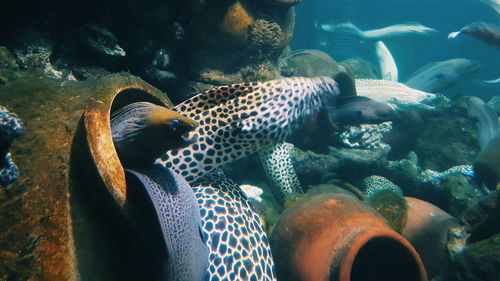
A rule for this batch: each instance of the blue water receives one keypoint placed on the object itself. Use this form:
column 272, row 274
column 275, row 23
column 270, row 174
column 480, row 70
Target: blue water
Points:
column 411, row 53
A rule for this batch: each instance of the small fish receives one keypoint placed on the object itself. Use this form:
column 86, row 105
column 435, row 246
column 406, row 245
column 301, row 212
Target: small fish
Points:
column 101, row 40
column 398, row 30
column 391, row 31
column 486, row 32
column 356, row 110
column 439, row 76
column 395, row 94
column 142, row 131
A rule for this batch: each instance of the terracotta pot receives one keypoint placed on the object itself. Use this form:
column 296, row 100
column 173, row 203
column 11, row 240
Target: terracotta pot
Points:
column 46, row 225
column 427, row 229
column 337, row 237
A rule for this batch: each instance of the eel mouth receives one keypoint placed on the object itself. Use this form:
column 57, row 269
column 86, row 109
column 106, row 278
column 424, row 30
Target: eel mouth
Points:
column 189, row 139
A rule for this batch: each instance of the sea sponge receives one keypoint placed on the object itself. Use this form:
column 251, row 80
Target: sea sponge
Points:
column 236, row 21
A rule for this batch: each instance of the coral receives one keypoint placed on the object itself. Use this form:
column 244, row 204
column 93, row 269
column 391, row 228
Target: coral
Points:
column 433, row 176
column 366, row 136
column 374, row 184
column 252, row 192
column 36, row 56
column 392, row 206
column 236, row 22
column 360, row 68
column 11, row 127
column 263, row 36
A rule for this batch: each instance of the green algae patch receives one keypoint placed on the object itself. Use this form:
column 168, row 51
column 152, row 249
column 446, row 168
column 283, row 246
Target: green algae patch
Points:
column 392, row 207
column 479, row 261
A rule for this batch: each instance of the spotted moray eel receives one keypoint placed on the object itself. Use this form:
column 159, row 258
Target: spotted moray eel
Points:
column 236, row 121
column 277, row 163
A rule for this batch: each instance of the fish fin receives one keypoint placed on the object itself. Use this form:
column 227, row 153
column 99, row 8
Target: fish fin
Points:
column 453, row 34
column 346, row 84
column 493, row 81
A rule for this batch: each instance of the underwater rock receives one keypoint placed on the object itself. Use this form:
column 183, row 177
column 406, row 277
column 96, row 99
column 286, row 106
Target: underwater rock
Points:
column 453, row 129
column 427, row 228
column 308, row 63
column 336, row 237
column 310, row 166
column 360, row 68
column 9, row 69
column 482, row 217
column 478, row 261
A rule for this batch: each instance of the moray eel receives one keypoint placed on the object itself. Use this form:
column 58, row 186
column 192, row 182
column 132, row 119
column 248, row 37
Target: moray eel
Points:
column 236, row 121
column 141, row 132
column 11, row 127
column 277, row 163
column 397, row 95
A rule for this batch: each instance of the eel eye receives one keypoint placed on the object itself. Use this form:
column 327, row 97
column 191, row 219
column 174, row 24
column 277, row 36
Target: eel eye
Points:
column 175, row 124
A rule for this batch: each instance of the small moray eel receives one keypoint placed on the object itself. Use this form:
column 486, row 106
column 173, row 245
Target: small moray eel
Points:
column 141, row 132
column 236, row 121
column 11, row 127
column 277, row 163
